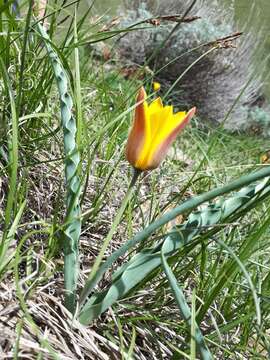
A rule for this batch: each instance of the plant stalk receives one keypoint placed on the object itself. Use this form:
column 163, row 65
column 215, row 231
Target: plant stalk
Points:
column 115, row 224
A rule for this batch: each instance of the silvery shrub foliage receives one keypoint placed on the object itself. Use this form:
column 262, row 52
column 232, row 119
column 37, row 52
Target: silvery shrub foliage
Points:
column 216, row 81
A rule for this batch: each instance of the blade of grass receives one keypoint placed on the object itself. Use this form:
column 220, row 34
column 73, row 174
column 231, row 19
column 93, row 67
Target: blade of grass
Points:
column 13, row 154
column 77, row 85
column 247, row 276
column 185, row 311
column 132, row 344
column 116, row 222
column 23, row 304
column 23, row 55
column 4, row 259
column 193, row 327
column 227, row 271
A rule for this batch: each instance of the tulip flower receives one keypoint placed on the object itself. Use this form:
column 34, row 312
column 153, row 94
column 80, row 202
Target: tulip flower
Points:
column 154, row 129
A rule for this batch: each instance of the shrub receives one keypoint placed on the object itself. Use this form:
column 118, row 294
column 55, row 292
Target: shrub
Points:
column 216, row 81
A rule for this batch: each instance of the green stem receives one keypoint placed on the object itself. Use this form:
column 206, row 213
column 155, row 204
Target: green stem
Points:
column 108, row 238
column 13, row 149
column 23, row 55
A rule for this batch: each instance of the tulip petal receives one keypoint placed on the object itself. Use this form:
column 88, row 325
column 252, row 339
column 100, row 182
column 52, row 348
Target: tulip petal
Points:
column 140, row 128
column 156, row 119
column 159, row 151
column 156, row 105
column 154, row 108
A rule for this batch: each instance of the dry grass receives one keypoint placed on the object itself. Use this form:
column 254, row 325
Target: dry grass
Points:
column 34, row 322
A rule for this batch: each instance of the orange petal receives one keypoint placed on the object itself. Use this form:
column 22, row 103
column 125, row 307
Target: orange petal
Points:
column 137, row 133
column 161, row 152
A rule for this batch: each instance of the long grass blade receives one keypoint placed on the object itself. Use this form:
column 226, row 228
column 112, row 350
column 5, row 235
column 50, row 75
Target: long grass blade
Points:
column 13, row 145
column 184, row 309
column 23, row 57
column 229, row 270
column 193, row 327
column 4, row 259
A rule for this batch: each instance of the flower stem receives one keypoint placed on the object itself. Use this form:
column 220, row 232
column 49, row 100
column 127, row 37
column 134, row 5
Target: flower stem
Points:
column 108, row 238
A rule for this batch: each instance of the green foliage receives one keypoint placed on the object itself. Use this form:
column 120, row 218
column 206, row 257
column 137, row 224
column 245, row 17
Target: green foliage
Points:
column 139, row 267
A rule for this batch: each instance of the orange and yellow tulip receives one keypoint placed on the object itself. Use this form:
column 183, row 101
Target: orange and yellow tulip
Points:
column 154, row 129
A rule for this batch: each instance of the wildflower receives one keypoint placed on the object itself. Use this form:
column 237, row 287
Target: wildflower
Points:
column 154, row 129
column 156, row 86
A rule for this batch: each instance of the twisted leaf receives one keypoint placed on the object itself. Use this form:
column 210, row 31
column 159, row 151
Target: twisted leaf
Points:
column 72, row 227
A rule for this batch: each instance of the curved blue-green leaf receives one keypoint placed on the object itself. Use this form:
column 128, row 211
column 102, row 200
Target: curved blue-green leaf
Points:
column 72, row 226
column 142, row 264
